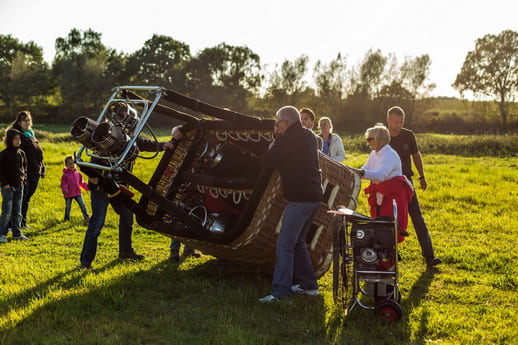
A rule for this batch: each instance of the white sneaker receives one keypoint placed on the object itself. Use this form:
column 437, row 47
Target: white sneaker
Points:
column 269, row 299
column 3, row 239
column 22, row 237
column 297, row 289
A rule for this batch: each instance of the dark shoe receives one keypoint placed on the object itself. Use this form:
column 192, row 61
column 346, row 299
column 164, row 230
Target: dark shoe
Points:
column 86, row 267
column 432, row 262
column 174, row 256
column 131, row 256
column 190, row 253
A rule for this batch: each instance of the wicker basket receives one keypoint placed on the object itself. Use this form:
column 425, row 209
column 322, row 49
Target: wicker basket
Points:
column 255, row 246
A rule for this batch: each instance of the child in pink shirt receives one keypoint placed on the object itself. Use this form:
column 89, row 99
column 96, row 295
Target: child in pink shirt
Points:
column 71, row 184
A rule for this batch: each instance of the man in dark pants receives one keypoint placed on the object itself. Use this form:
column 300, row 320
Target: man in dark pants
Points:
column 404, row 142
column 100, row 200
column 294, row 154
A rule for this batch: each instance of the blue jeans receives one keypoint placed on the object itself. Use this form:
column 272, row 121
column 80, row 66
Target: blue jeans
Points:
column 11, row 210
column 68, row 206
column 293, row 262
column 100, row 203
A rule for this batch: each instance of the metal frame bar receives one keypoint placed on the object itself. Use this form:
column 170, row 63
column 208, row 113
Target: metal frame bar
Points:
column 115, row 162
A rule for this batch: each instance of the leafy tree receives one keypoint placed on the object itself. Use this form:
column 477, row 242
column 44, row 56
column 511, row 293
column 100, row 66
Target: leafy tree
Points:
column 159, row 62
column 24, row 76
column 491, row 69
column 287, row 82
column 225, row 75
column 371, row 72
column 85, row 70
column 330, row 80
column 414, row 74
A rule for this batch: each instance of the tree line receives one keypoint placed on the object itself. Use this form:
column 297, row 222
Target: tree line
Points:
column 83, row 71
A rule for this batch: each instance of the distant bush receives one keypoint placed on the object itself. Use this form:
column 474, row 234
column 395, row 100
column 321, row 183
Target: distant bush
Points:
column 464, row 145
column 470, row 145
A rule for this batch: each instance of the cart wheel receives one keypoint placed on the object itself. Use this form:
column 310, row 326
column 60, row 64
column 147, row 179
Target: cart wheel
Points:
column 337, row 258
column 343, row 281
column 388, row 311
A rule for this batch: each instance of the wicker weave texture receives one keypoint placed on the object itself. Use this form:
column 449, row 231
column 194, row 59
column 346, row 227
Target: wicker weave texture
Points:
column 256, row 245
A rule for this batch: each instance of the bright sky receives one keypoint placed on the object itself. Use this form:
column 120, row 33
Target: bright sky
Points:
column 277, row 29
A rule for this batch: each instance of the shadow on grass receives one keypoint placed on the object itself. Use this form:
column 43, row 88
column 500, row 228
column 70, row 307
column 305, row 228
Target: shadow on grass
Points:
column 417, row 293
column 49, row 226
column 361, row 326
column 210, row 303
column 61, row 280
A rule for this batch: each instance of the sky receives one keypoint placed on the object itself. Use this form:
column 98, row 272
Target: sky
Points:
column 277, row 30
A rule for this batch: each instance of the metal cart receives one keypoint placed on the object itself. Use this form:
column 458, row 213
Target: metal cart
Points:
column 365, row 263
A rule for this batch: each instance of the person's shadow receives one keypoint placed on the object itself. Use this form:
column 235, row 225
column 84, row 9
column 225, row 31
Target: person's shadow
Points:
column 414, row 299
column 167, row 303
column 350, row 327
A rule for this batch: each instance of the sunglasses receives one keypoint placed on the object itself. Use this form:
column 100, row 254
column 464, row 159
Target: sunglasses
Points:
column 370, row 139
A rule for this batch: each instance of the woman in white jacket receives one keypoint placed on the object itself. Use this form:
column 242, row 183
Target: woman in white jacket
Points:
column 333, row 145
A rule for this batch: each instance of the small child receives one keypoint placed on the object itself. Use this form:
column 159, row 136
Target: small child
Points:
column 71, row 184
column 13, row 175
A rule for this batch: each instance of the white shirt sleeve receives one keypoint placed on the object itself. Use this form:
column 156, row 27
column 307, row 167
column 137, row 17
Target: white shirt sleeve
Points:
column 382, row 165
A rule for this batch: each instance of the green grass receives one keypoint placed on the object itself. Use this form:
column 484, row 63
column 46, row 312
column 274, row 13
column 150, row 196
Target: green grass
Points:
column 470, row 208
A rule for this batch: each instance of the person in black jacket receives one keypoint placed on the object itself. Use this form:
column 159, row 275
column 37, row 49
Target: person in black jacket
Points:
column 294, row 154
column 13, row 167
column 34, row 154
column 100, row 201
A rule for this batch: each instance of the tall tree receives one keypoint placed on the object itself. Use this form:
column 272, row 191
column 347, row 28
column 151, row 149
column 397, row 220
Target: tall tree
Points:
column 414, row 74
column 84, row 70
column 371, row 72
column 159, row 62
column 330, row 82
column 491, row 69
column 225, row 75
column 287, row 81
column 24, row 76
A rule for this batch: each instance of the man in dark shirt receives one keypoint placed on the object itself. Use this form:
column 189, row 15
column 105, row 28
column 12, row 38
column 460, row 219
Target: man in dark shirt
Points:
column 403, row 141
column 294, row 154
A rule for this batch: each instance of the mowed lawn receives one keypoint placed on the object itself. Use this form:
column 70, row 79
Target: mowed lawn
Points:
column 470, row 207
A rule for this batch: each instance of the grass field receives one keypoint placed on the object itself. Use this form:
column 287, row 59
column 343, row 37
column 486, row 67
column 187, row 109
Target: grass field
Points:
column 472, row 298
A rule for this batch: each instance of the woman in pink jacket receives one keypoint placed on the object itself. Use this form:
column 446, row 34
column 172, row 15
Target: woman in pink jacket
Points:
column 71, row 184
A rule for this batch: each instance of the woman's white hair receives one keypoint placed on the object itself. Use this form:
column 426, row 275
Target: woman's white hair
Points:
column 380, row 133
